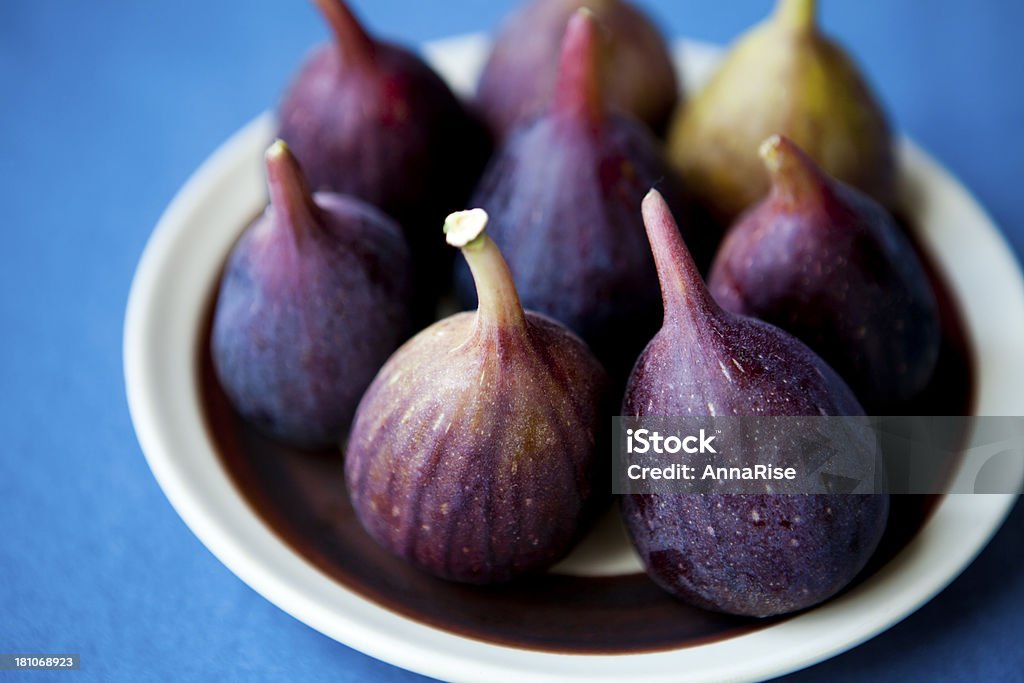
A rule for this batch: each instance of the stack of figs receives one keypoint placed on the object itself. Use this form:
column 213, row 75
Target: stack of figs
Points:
column 624, row 250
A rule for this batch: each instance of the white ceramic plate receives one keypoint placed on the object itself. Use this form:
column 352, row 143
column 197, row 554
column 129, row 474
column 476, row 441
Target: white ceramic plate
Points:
column 164, row 321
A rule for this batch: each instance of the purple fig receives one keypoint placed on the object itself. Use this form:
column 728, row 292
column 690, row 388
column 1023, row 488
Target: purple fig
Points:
column 565, row 192
column 758, row 554
column 828, row 264
column 372, row 120
column 519, row 78
column 313, row 299
column 784, row 76
column 474, row 452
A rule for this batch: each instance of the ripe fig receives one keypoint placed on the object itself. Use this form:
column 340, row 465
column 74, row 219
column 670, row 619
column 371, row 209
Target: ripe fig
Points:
column 757, row 554
column 314, row 297
column 828, row 264
column 372, row 120
column 565, row 192
column 474, row 452
column 519, row 77
column 786, row 77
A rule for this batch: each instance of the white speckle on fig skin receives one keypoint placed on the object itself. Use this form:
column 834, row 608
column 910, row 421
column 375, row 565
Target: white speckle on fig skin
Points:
column 755, row 555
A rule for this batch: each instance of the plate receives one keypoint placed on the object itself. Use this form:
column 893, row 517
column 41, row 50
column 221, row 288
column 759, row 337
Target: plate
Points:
column 166, row 319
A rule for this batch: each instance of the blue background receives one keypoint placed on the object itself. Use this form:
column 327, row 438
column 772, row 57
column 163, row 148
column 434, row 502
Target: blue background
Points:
column 106, row 108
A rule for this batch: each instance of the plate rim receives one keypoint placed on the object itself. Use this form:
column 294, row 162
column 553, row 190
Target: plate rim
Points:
column 289, row 581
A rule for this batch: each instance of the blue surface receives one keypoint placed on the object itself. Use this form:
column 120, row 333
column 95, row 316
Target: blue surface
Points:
column 106, row 108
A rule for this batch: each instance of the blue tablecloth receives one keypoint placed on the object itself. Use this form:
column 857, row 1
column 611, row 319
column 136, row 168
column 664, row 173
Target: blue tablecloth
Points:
column 107, row 106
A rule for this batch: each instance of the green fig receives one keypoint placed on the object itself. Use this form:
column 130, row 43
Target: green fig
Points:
column 783, row 77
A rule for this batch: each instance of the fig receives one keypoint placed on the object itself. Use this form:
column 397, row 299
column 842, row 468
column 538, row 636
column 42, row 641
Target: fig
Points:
column 314, row 297
column 372, row 120
column 828, row 264
column 519, row 77
column 564, row 191
column 474, row 453
column 785, row 77
column 752, row 554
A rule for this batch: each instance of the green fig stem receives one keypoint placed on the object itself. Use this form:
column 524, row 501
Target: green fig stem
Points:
column 799, row 15
column 578, row 88
column 289, row 192
column 683, row 291
column 495, row 289
column 351, row 40
column 796, row 179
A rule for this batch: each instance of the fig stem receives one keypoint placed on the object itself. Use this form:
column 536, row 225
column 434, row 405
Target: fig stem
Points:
column 351, row 40
column 578, row 89
column 495, row 289
column 288, row 189
column 682, row 289
column 800, row 15
column 795, row 177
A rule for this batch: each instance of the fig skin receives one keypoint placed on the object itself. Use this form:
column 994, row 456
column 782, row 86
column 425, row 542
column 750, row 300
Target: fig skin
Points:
column 370, row 119
column 755, row 555
column 519, row 77
column 565, row 191
column 475, row 452
column 785, row 77
column 829, row 265
column 314, row 297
